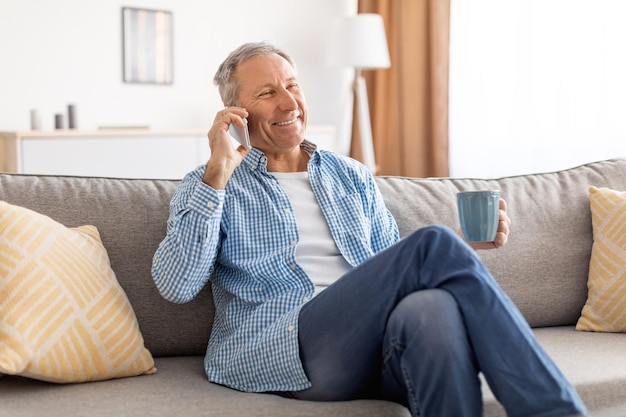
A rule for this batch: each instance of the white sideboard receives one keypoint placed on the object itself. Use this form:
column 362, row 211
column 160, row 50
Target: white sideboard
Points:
column 122, row 153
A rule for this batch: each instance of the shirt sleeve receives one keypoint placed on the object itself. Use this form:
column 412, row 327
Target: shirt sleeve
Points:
column 383, row 225
column 184, row 260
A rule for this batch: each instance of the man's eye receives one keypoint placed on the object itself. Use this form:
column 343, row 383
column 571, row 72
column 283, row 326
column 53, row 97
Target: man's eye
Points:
column 293, row 86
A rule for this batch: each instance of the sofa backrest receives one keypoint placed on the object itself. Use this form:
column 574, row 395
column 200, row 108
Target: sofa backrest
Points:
column 543, row 268
column 131, row 216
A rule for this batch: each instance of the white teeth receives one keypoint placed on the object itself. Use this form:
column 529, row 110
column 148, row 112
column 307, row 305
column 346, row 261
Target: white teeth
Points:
column 288, row 122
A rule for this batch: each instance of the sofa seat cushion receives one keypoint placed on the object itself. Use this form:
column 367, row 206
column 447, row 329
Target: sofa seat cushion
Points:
column 179, row 388
column 593, row 362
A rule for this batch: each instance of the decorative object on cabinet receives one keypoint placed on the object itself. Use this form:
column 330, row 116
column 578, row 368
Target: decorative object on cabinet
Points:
column 71, row 116
column 35, row 120
column 58, row 121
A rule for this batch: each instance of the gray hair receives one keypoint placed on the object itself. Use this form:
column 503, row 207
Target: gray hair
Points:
column 225, row 78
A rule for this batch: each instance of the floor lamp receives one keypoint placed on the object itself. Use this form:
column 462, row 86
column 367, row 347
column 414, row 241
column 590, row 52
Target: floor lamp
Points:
column 359, row 42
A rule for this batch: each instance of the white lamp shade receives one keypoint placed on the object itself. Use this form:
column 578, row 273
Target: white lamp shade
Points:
column 359, row 41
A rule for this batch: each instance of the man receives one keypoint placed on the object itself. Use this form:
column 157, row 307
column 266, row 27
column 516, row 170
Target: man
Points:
column 316, row 297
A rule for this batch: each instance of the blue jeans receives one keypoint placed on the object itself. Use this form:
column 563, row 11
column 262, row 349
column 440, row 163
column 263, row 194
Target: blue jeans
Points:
column 415, row 324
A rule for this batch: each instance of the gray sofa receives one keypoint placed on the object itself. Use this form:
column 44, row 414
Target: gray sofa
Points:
column 543, row 268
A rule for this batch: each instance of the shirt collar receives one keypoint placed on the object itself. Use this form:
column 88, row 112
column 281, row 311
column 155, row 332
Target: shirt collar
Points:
column 257, row 159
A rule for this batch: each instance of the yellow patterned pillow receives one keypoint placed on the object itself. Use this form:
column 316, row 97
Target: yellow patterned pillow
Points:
column 63, row 315
column 605, row 309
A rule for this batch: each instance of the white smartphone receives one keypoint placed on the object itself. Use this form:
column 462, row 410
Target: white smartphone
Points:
column 240, row 135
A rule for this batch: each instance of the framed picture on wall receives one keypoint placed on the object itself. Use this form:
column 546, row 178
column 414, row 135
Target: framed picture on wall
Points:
column 147, row 46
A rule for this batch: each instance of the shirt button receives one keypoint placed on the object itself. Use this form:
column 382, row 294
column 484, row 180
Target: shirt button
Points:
column 291, row 328
column 305, row 299
column 294, row 242
column 293, row 266
column 210, row 204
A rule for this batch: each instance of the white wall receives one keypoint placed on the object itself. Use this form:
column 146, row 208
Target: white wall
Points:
column 70, row 51
column 536, row 85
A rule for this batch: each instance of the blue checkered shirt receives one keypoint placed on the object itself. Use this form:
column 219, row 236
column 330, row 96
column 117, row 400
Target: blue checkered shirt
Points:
column 244, row 239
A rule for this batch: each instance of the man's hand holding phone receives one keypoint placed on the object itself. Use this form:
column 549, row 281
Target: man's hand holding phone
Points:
column 224, row 157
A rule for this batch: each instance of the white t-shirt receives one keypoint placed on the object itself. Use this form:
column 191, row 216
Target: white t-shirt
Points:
column 316, row 251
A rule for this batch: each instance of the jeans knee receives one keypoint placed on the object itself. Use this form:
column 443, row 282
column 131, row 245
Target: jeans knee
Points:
column 427, row 306
column 431, row 317
column 438, row 228
column 436, row 233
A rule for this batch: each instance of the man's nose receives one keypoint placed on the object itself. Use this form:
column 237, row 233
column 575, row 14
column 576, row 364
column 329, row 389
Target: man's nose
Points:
column 288, row 101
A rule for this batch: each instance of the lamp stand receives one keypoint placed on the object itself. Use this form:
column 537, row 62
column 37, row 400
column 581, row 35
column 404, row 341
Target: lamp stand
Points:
column 366, row 142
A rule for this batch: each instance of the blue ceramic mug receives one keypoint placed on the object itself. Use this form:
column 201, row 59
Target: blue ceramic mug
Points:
column 479, row 214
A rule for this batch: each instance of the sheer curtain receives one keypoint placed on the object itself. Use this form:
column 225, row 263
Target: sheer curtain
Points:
column 409, row 101
column 536, row 85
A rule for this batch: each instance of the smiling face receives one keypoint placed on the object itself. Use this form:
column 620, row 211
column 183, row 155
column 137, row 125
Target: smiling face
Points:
column 270, row 92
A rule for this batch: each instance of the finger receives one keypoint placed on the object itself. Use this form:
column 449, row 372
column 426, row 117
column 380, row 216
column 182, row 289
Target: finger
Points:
column 235, row 115
column 230, row 115
column 243, row 150
column 496, row 244
column 503, row 227
column 222, row 122
column 500, row 240
column 504, row 218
